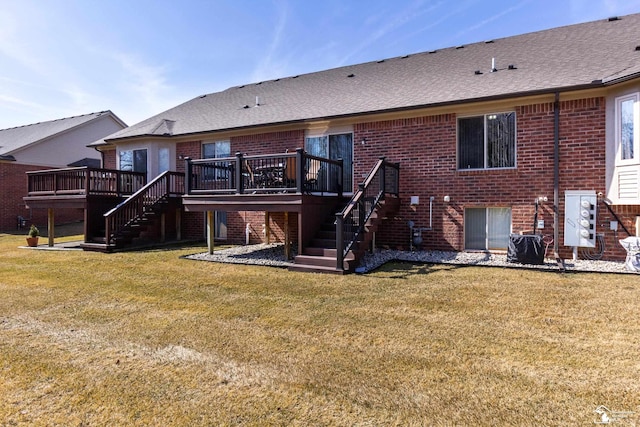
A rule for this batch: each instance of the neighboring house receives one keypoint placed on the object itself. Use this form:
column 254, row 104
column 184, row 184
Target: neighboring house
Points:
column 532, row 132
column 53, row 144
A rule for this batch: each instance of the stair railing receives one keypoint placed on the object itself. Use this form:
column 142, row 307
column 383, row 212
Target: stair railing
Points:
column 350, row 222
column 160, row 188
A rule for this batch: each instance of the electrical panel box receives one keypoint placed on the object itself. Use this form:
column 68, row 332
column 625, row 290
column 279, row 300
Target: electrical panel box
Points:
column 580, row 218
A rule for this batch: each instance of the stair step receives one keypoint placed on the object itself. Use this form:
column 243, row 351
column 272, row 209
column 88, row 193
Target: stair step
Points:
column 96, row 247
column 325, row 261
column 318, row 251
column 316, row 269
column 326, row 235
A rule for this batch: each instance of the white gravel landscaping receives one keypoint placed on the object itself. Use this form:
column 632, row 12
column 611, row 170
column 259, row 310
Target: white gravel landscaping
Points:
column 273, row 255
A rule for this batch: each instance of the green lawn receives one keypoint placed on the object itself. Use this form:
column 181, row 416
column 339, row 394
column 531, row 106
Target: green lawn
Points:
column 150, row 338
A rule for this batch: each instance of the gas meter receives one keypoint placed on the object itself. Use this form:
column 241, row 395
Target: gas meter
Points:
column 580, row 218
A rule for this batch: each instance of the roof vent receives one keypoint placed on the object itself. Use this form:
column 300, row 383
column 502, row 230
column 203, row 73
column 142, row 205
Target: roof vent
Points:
column 637, row 48
column 404, row 57
column 276, row 80
column 512, row 67
column 245, row 106
column 203, row 96
column 432, row 51
column 258, row 84
column 489, row 41
column 614, row 18
column 295, row 77
column 478, row 72
column 351, row 75
column 460, row 47
column 381, row 61
column 240, row 87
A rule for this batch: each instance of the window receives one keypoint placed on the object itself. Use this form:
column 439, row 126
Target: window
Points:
column 627, row 128
column 164, row 159
column 487, row 228
column 487, row 142
column 133, row 160
column 215, row 150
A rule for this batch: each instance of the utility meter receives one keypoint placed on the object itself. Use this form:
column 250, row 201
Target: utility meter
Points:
column 580, row 218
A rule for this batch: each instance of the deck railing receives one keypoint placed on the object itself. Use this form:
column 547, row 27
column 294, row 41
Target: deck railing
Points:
column 84, row 181
column 350, row 223
column 160, row 188
column 297, row 172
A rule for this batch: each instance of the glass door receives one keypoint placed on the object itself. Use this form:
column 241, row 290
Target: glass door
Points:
column 337, row 146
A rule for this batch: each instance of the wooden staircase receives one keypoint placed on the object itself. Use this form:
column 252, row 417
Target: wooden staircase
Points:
column 139, row 220
column 321, row 255
column 343, row 239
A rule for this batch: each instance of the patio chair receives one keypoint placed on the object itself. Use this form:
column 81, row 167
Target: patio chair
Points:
column 248, row 173
column 290, row 172
column 311, row 177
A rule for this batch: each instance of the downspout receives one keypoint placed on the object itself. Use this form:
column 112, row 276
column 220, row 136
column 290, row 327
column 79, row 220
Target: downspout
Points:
column 556, row 182
column 101, row 157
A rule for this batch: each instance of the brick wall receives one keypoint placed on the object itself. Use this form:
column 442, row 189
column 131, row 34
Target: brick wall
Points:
column 13, row 181
column 425, row 147
column 110, row 160
column 274, row 142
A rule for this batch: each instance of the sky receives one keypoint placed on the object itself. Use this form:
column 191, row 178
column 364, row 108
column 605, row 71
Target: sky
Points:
column 138, row 58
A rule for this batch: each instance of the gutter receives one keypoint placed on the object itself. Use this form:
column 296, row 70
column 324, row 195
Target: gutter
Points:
column 556, row 182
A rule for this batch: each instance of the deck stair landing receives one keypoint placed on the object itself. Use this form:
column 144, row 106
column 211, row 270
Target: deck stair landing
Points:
column 343, row 239
column 139, row 220
column 321, row 255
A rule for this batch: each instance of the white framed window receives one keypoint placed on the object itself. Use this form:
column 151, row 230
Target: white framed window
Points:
column 487, row 141
column 627, row 129
column 487, row 228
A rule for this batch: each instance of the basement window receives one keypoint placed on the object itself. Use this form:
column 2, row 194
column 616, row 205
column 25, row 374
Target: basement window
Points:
column 487, row 141
column 487, row 228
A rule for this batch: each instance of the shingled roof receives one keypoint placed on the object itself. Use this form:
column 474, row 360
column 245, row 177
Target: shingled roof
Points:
column 13, row 139
column 585, row 55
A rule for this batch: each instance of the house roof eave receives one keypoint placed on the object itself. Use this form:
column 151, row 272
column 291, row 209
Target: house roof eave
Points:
column 547, row 91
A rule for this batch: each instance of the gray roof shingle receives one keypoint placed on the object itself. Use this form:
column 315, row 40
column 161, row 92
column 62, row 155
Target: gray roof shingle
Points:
column 15, row 138
column 589, row 54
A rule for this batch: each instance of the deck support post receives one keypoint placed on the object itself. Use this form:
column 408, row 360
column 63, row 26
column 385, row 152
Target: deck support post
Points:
column 267, row 228
column 339, row 242
column 179, row 224
column 163, row 227
column 287, row 238
column 211, row 223
column 50, row 226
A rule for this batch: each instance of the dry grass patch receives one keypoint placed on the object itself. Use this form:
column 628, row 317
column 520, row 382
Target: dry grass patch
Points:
column 152, row 339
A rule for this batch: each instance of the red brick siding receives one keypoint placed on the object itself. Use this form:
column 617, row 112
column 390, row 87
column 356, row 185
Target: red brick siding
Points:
column 109, row 159
column 13, row 181
column 275, row 142
column 425, row 147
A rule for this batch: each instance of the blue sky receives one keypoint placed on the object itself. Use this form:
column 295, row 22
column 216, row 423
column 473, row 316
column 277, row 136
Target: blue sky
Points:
column 60, row 58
